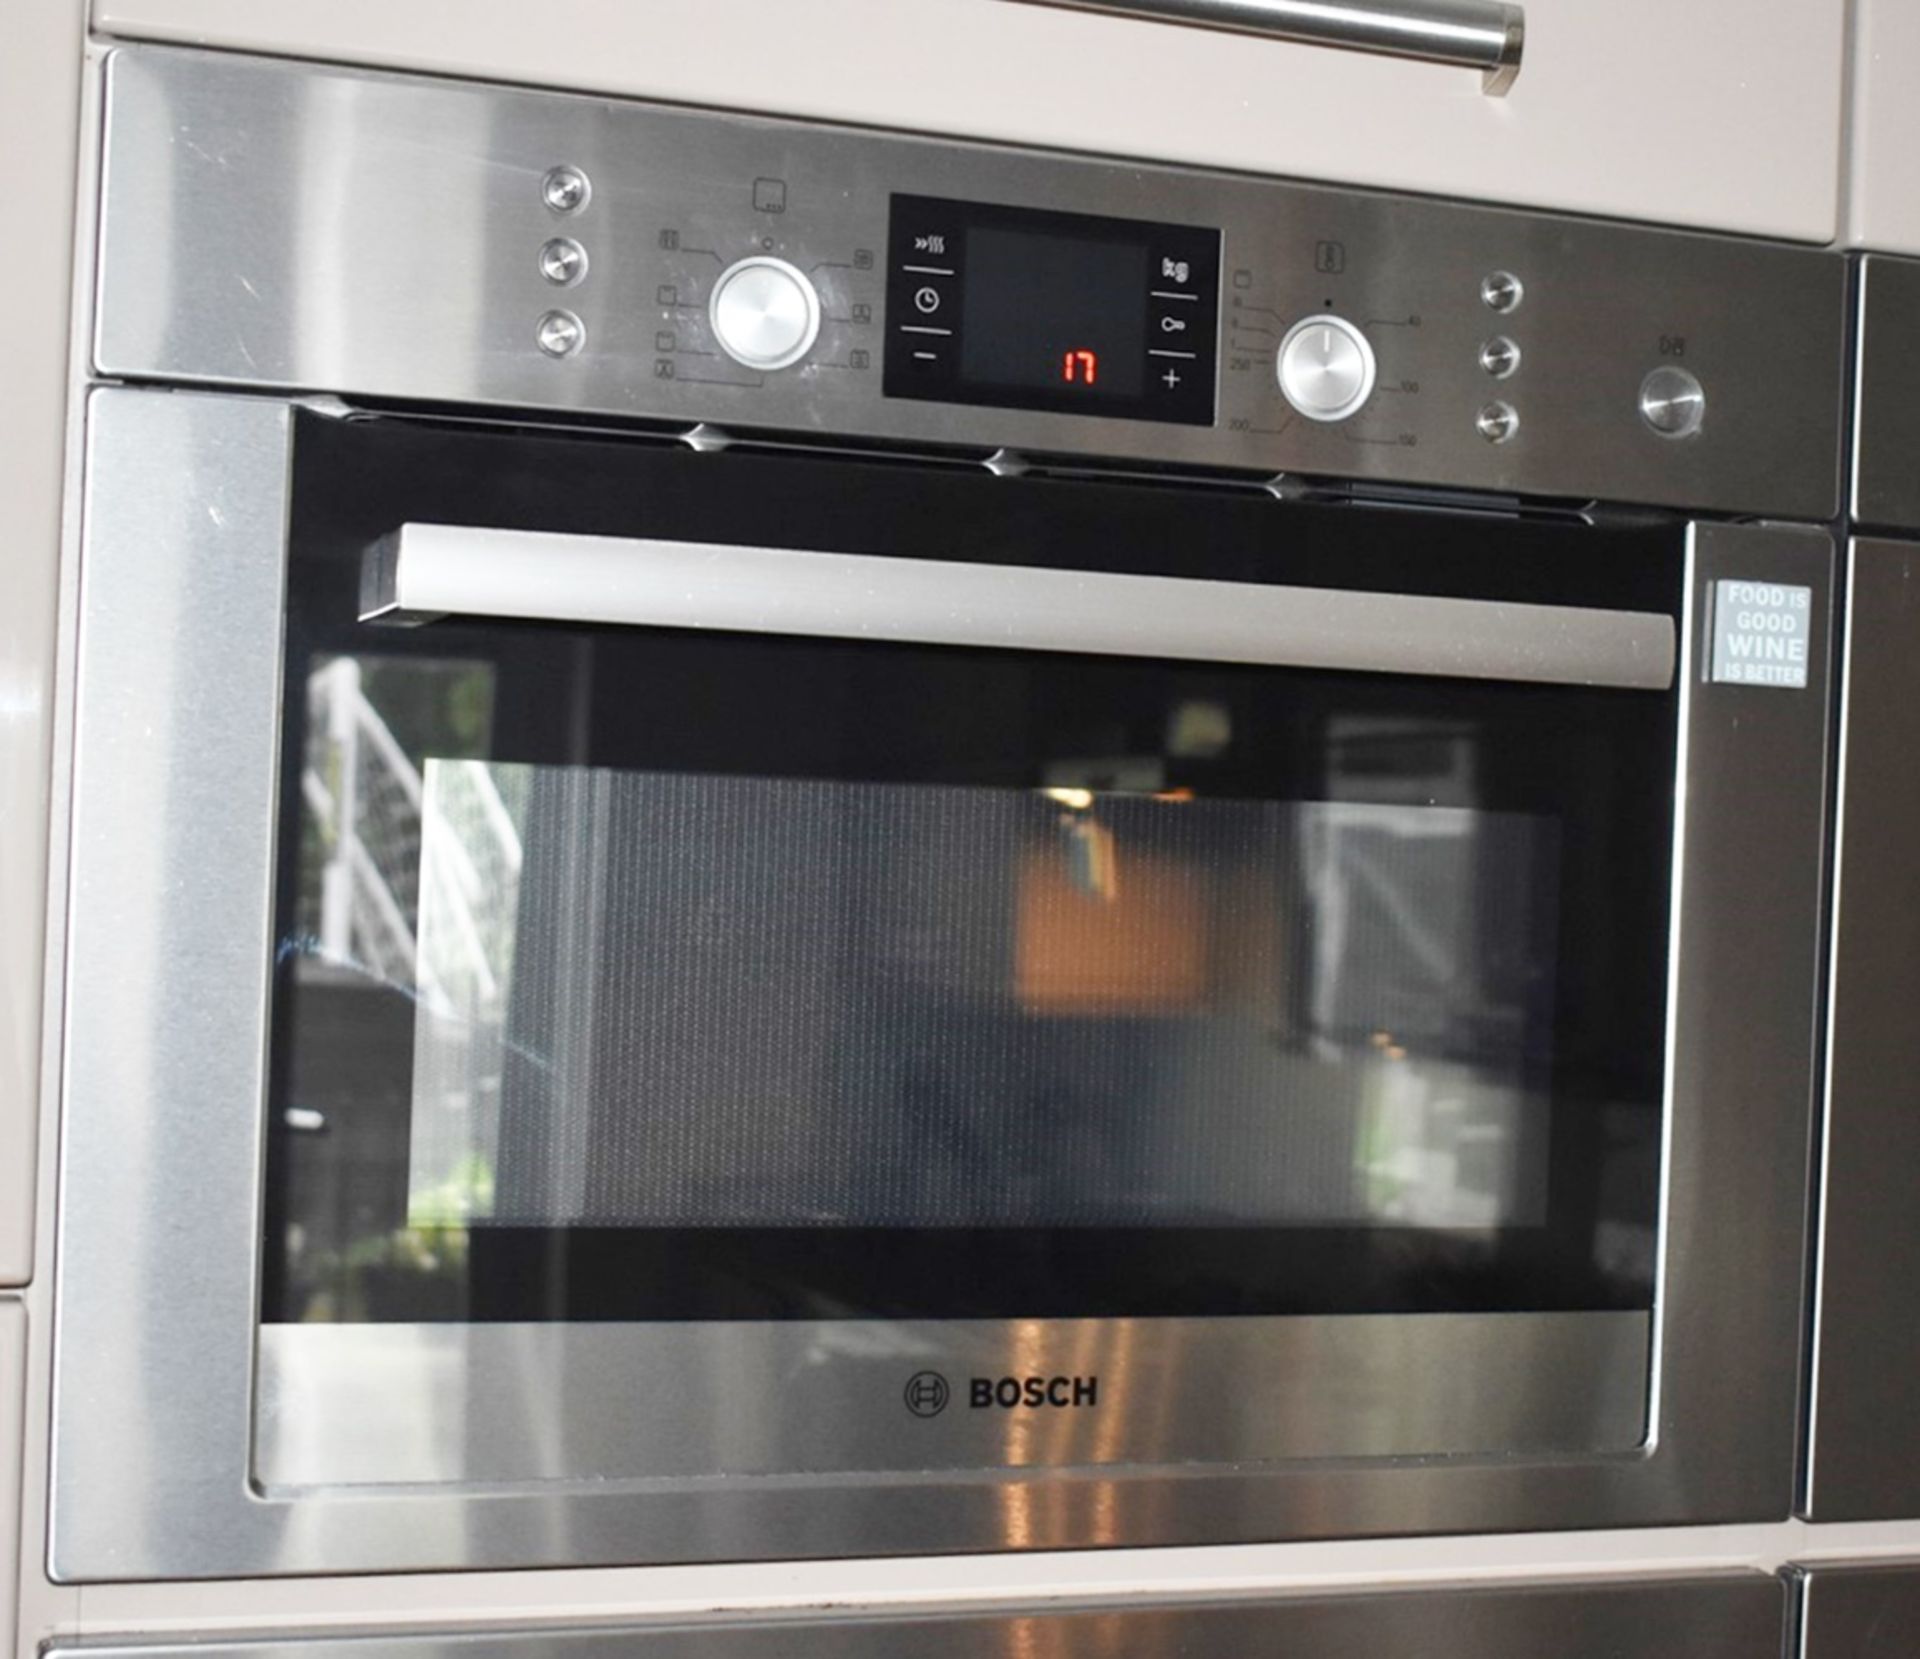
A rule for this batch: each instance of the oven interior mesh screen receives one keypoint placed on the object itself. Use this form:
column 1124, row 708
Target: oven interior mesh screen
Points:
column 676, row 1000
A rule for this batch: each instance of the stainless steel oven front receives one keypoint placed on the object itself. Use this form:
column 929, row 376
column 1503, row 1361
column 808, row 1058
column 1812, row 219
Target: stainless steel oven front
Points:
column 796, row 842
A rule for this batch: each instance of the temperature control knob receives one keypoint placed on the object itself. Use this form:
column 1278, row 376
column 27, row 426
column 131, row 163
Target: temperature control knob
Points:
column 765, row 313
column 1326, row 368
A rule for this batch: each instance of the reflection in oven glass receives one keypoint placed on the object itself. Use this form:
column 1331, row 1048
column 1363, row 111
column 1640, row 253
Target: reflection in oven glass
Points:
column 358, row 968
column 558, row 996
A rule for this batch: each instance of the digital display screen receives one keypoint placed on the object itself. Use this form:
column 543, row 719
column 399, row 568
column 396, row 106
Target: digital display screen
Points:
column 1054, row 312
column 1030, row 309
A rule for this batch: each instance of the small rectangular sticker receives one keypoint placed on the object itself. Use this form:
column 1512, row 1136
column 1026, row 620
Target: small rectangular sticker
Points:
column 1762, row 633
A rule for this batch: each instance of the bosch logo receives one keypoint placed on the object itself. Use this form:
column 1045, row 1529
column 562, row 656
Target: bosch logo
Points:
column 1033, row 1393
column 927, row 1394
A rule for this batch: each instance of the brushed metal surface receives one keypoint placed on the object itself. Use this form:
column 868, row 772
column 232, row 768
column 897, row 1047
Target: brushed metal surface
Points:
column 1886, row 477
column 1865, row 1612
column 429, row 570
column 1732, row 1616
column 587, row 1403
column 273, row 225
column 1472, row 34
column 1863, row 1463
column 166, row 973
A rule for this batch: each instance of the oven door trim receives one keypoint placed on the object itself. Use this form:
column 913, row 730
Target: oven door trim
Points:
column 163, row 1062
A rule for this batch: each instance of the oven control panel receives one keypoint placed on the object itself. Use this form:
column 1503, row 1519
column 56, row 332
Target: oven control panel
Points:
column 290, row 226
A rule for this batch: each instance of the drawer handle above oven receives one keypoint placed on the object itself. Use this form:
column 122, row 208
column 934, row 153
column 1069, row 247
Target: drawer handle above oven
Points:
column 426, row 571
column 1474, row 34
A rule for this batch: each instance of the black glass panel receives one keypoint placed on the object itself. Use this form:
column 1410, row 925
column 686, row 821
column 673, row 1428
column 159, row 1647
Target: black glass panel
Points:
column 1026, row 309
column 634, row 974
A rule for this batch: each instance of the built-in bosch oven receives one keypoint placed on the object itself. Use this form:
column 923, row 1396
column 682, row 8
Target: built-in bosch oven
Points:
column 792, row 842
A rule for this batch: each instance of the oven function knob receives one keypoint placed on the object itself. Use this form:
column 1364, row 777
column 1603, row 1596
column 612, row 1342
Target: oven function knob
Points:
column 1326, row 368
column 1673, row 402
column 765, row 313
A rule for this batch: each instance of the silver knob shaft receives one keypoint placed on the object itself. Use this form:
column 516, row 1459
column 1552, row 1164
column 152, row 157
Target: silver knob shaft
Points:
column 1673, row 402
column 765, row 313
column 1325, row 367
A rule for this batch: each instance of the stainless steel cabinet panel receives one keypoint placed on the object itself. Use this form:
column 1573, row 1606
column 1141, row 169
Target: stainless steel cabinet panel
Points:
column 1741, row 1617
column 1861, row 1613
column 1886, row 457
column 1864, row 1464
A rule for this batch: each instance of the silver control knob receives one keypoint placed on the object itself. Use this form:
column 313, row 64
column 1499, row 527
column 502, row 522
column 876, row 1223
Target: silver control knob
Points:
column 765, row 313
column 559, row 333
column 1326, row 368
column 1498, row 422
column 1673, row 402
column 565, row 189
column 1502, row 291
column 1500, row 357
column 563, row 262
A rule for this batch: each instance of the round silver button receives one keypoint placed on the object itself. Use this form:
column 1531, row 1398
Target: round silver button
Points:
column 563, row 262
column 565, row 189
column 1326, row 368
column 560, row 333
column 1673, row 402
column 765, row 313
column 1502, row 291
column 1497, row 422
column 1500, row 356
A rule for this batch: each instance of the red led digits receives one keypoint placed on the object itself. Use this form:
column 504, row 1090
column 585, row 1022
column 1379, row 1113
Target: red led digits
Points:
column 1079, row 368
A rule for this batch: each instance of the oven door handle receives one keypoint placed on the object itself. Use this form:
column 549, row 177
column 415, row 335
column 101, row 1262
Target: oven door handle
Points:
column 423, row 572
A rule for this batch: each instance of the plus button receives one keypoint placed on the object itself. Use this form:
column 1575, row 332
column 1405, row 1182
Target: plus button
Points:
column 1170, row 379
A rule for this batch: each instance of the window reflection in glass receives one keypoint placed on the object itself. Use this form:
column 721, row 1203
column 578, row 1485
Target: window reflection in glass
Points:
column 556, row 996
column 774, row 1002
column 368, row 909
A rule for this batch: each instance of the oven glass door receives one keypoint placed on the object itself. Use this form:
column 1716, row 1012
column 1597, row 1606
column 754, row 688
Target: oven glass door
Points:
column 657, row 985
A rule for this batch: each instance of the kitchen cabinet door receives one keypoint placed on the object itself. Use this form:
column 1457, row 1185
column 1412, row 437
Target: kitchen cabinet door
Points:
column 1883, row 200
column 13, row 1375
column 1716, row 113
column 39, row 138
